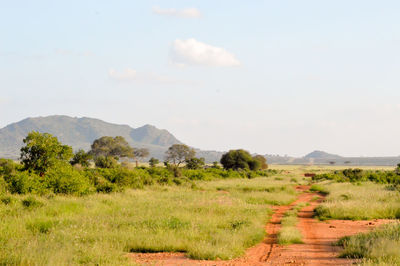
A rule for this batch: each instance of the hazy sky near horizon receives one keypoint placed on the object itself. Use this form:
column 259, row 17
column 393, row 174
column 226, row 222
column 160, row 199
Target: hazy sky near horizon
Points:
column 275, row 77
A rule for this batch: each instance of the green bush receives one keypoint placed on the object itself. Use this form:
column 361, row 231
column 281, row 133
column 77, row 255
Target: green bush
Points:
column 359, row 175
column 23, row 182
column 65, row 179
column 105, row 162
column 8, row 167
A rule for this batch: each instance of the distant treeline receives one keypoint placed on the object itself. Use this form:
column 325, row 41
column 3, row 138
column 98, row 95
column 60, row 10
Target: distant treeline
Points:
column 359, row 175
column 47, row 166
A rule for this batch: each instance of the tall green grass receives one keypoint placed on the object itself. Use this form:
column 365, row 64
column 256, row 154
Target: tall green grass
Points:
column 362, row 201
column 379, row 247
column 99, row 229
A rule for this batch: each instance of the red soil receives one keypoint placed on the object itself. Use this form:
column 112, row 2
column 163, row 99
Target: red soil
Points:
column 317, row 249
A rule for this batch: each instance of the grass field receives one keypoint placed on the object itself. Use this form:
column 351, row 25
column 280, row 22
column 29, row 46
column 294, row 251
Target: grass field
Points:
column 218, row 219
column 361, row 201
column 379, row 247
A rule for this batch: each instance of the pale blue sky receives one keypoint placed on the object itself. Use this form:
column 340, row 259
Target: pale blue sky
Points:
column 276, row 77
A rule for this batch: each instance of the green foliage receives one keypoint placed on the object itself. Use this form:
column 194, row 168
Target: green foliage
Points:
column 262, row 160
column 23, row 182
column 66, row 180
column 359, row 175
column 153, row 162
column 105, row 162
column 81, row 157
column 8, row 167
column 116, row 147
column 179, row 153
column 195, row 163
column 241, row 159
column 42, row 151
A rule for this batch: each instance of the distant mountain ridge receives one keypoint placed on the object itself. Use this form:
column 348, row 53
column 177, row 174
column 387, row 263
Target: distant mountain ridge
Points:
column 81, row 132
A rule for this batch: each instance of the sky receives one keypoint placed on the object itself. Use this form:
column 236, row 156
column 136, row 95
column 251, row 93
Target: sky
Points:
column 272, row 77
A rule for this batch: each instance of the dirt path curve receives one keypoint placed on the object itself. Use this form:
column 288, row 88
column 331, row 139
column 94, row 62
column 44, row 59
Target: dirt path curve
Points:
column 316, row 250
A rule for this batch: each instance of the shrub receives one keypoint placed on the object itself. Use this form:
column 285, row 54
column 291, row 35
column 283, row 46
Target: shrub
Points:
column 23, row 182
column 359, row 175
column 105, row 162
column 195, row 163
column 8, row 167
column 31, row 202
column 81, row 157
column 65, row 179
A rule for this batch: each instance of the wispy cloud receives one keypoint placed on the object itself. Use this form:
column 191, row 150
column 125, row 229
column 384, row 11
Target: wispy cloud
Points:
column 180, row 13
column 193, row 52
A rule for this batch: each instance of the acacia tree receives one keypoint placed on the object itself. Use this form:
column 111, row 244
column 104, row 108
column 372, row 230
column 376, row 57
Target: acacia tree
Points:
column 108, row 150
column 140, row 154
column 116, row 147
column 43, row 151
column 179, row 153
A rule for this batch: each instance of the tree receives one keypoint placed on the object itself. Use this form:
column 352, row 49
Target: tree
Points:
column 398, row 169
column 81, row 157
column 43, row 151
column 195, row 163
column 116, row 147
column 153, row 162
column 140, row 154
column 105, row 162
column 332, row 162
column 238, row 159
column 254, row 164
column 262, row 160
column 179, row 153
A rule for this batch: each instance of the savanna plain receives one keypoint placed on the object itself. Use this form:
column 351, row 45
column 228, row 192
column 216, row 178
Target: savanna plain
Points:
column 206, row 214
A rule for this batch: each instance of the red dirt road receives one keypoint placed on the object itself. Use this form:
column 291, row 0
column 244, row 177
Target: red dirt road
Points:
column 316, row 250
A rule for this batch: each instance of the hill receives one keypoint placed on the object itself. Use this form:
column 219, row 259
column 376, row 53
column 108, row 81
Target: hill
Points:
column 322, row 155
column 81, row 132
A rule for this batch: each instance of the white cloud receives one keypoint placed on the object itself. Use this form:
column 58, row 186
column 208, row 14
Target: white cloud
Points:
column 125, row 75
column 193, row 52
column 172, row 12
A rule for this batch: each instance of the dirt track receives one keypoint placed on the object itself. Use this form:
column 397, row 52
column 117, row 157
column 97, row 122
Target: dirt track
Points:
column 316, row 250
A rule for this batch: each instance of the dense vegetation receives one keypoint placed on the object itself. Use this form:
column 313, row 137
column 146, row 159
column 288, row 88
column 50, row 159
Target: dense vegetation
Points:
column 50, row 167
column 359, row 175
